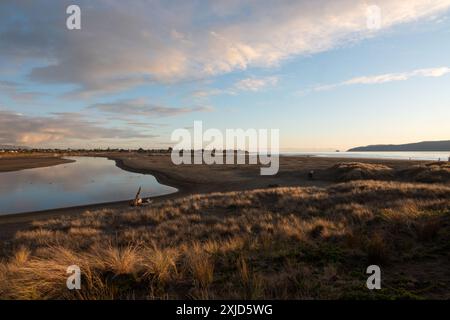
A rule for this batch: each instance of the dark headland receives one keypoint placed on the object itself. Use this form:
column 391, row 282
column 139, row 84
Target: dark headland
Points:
column 438, row 146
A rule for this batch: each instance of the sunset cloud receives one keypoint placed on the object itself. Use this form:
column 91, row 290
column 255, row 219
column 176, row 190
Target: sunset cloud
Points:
column 32, row 131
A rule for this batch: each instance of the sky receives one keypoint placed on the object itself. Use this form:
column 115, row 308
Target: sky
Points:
column 137, row 70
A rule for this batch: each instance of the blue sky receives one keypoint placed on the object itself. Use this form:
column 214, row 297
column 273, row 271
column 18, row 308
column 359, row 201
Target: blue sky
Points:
column 136, row 72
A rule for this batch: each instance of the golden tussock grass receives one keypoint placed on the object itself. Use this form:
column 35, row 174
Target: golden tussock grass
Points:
column 431, row 172
column 434, row 172
column 347, row 171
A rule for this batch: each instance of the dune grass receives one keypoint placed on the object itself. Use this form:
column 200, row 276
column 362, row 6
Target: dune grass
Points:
column 281, row 243
column 348, row 171
column 430, row 172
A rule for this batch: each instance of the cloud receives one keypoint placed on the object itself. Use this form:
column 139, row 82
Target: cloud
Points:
column 210, row 92
column 248, row 84
column 13, row 90
column 123, row 44
column 140, row 107
column 390, row 77
column 384, row 78
column 255, row 84
column 19, row 129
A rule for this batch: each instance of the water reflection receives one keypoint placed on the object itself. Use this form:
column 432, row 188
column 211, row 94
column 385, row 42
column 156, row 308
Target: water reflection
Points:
column 86, row 181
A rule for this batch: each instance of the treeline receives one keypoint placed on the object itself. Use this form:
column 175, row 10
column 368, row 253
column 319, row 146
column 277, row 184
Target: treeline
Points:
column 96, row 150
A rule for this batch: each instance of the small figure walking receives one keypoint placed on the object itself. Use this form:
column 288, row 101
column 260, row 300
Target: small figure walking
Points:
column 311, row 175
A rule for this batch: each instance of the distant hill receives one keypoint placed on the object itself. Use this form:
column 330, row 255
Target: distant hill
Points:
column 419, row 146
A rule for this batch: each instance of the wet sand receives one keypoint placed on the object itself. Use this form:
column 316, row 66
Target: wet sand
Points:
column 29, row 162
column 190, row 179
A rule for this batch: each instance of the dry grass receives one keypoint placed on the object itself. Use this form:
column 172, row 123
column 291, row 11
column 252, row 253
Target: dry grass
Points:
column 377, row 250
column 431, row 172
column 428, row 230
column 201, row 265
column 252, row 283
column 118, row 260
column 434, row 172
column 347, row 171
column 161, row 265
column 284, row 243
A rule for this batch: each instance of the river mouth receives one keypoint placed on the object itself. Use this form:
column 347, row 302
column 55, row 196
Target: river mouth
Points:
column 87, row 181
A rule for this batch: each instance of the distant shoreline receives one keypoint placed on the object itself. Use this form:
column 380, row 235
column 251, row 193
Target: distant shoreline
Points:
column 18, row 163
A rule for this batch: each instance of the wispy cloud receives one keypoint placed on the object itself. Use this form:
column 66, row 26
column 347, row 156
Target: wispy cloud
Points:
column 140, row 107
column 383, row 78
column 210, row 92
column 255, row 84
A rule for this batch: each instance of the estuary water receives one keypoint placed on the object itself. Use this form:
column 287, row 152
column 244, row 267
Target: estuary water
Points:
column 86, row 181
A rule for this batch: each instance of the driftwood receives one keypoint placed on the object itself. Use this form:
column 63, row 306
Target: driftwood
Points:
column 137, row 200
